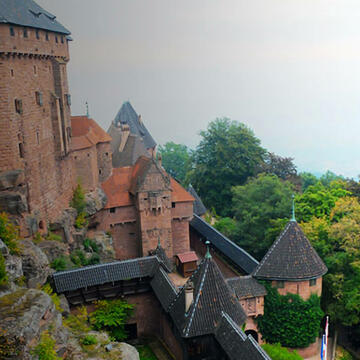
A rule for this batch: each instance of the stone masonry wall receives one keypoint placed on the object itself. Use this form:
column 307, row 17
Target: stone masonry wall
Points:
column 104, row 162
column 86, row 168
column 301, row 288
column 180, row 234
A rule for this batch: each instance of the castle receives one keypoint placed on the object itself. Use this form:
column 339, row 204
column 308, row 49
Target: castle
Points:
column 196, row 296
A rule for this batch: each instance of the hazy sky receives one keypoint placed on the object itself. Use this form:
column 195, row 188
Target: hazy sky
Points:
column 289, row 69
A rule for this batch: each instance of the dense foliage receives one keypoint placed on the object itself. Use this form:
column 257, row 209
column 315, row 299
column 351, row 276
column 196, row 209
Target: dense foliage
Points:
column 111, row 315
column 175, row 160
column 290, row 320
column 228, row 154
column 3, row 274
column 277, row 352
column 45, row 349
column 9, row 234
column 78, row 202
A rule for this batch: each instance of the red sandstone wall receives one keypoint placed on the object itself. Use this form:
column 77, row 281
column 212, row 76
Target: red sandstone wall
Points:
column 180, row 233
column 49, row 177
column 86, row 168
column 301, row 288
column 169, row 338
column 104, row 162
column 125, row 241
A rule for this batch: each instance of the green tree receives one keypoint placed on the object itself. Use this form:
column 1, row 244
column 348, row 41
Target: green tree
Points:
column 3, row 274
column 228, row 154
column 327, row 178
column 45, row 350
column 9, row 234
column 277, row 352
column 175, row 160
column 307, row 179
column 256, row 206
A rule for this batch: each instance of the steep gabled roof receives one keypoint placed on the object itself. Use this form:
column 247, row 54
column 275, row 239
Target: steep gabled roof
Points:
column 199, row 207
column 291, row 257
column 246, row 286
column 236, row 344
column 179, row 194
column 127, row 115
column 212, row 296
column 224, row 245
column 29, row 13
column 86, row 133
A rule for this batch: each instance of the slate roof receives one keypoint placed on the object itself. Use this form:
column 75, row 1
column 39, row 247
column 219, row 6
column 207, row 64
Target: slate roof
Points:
column 163, row 259
column 127, row 115
column 212, row 295
column 163, row 288
column 104, row 273
column 29, row 13
column 199, row 207
column 235, row 253
column 236, row 344
column 246, row 286
column 291, row 257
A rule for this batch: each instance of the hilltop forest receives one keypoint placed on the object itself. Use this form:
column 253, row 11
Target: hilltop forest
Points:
column 248, row 193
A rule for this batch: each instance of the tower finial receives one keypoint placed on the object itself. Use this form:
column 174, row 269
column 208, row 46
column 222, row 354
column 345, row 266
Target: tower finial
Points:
column 293, row 208
column 207, row 255
column 87, row 109
column 159, row 243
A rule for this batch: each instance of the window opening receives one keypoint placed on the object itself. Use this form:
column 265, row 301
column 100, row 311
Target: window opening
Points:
column 37, row 34
column 12, row 31
column 25, row 32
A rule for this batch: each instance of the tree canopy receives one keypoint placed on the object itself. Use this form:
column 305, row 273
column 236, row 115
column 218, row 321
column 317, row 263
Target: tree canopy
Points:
column 228, row 154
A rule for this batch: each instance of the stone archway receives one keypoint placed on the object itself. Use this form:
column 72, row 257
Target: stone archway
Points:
column 253, row 333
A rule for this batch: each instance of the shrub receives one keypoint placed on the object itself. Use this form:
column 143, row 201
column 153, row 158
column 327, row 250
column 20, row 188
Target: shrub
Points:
column 3, row 274
column 54, row 297
column 59, row 263
column 79, row 259
column 90, row 245
column 111, row 315
column 9, row 234
column 78, row 200
column 276, row 352
column 53, row 237
column 78, row 324
column 81, row 221
column 37, row 238
column 45, row 349
column 89, row 340
column 290, row 320
column 95, row 259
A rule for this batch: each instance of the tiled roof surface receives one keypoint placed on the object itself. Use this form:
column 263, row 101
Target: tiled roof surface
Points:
column 127, row 115
column 246, row 286
column 163, row 288
column 199, row 207
column 117, row 186
column 212, row 295
column 86, row 133
column 125, row 181
column 187, row 257
column 236, row 344
column 29, row 13
column 179, row 194
column 235, row 253
column 291, row 257
column 104, row 273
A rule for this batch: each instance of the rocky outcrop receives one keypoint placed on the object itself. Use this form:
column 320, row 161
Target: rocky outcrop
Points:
column 11, row 179
column 3, row 248
column 24, row 315
column 13, row 266
column 35, row 264
column 105, row 245
column 53, row 249
column 65, row 224
column 13, row 202
column 95, row 201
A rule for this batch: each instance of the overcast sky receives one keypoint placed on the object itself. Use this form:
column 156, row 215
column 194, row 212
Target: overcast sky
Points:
column 289, row 69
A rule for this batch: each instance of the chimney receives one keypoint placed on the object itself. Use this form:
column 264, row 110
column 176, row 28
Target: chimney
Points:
column 189, row 295
column 125, row 132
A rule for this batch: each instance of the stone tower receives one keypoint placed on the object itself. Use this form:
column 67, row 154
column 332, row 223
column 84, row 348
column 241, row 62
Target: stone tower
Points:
column 36, row 177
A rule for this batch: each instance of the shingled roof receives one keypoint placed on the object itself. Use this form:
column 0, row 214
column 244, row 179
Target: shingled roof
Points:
column 224, row 245
column 236, row 344
column 246, row 286
column 29, row 13
column 104, row 273
column 127, row 115
column 199, row 207
column 211, row 296
column 291, row 258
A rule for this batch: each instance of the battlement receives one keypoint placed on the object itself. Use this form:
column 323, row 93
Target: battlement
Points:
column 27, row 41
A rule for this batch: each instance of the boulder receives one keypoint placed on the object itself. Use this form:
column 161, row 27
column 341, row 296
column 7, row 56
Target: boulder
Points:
column 95, row 201
column 24, row 315
column 128, row 352
column 35, row 264
column 11, row 179
column 13, row 265
column 13, row 202
column 53, row 249
column 64, row 224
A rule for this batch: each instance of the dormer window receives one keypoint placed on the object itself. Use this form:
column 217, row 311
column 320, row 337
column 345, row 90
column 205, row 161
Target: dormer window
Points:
column 12, row 31
column 25, row 32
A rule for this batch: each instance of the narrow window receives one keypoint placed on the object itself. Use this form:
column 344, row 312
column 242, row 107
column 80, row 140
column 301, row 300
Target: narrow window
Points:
column 37, row 34
column 312, row 282
column 107, row 154
column 280, row 284
column 39, row 98
column 21, row 150
column 18, row 106
column 62, row 39
column 38, row 137
column 173, row 205
column 56, row 39
column 112, row 210
column 25, row 32
column 35, row 69
column 100, row 171
column 47, row 36
column 12, row 72
column 12, row 31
